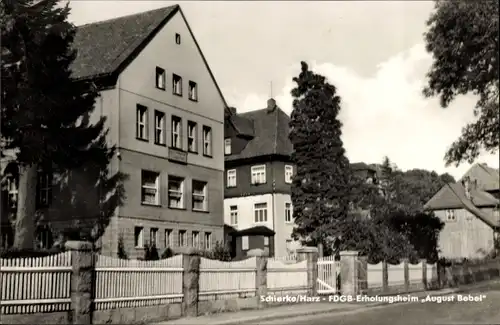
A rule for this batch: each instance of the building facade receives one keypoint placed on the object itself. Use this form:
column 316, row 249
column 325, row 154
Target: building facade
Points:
column 470, row 211
column 165, row 114
column 259, row 173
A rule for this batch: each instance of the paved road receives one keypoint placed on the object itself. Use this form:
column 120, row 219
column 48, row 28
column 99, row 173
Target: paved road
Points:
column 485, row 312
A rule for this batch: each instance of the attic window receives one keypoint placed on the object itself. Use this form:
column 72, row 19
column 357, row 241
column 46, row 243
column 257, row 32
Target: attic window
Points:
column 160, row 78
column 177, row 38
column 227, row 146
column 450, row 216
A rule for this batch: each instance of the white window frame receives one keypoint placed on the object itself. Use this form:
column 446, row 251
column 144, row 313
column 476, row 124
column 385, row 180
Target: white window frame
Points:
column 258, row 174
column 227, row 146
column 142, row 122
column 207, row 140
column 195, row 239
column 12, row 191
column 153, row 232
column 288, row 212
column 159, row 127
column 233, row 213
column 231, row 178
column 288, row 174
column 208, row 240
column 176, row 132
column 182, row 240
column 259, row 207
column 244, row 243
column 178, row 193
column 202, row 194
column 168, row 237
column 192, row 143
column 145, row 187
column 177, row 84
column 193, row 91
column 139, row 238
column 266, row 241
column 160, row 78
column 450, row 216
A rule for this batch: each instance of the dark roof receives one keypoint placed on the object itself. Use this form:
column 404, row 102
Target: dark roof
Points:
column 452, row 196
column 487, row 178
column 270, row 130
column 254, row 231
column 107, row 47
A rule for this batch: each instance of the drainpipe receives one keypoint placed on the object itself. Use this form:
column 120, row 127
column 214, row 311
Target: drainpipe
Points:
column 274, row 206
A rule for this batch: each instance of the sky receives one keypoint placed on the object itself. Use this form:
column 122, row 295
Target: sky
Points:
column 372, row 51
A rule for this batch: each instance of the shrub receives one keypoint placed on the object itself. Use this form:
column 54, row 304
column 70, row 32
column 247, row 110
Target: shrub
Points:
column 151, row 253
column 219, row 252
column 167, row 253
column 23, row 253
column 122, row 254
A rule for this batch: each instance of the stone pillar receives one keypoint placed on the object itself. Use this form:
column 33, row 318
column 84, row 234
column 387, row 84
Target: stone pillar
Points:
column 260, row 276
column 310, row 254
column 190, row 282
column 406, row 270
column 82, row 281
column 424, row 273
column 362, row 274
column 320, row 250
column 385, row 276
column 349, row 273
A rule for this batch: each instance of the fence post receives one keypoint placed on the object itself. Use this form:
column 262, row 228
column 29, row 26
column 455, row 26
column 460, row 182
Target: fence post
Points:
column 406, row 270
column 424, row 273
column 385, row 276
column 310, row 254
column 190, row 282
column 82, row 281
column 260, row 276
column 349, row 273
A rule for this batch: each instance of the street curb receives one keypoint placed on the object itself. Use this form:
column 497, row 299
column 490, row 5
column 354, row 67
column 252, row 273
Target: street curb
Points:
column 422, row 294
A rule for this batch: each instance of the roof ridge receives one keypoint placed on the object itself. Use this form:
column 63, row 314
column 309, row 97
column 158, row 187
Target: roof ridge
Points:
column 126, row 16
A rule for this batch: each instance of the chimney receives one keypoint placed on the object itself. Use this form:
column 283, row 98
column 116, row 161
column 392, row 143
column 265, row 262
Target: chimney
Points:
column 271, row 105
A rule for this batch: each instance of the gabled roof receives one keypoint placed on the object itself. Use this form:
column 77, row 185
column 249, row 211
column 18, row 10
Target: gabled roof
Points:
column 107, row 47
column 270, row 130
column 487, row 178
column 452, row 196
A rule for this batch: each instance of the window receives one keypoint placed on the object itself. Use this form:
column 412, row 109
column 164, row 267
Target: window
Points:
column 227, row 146
column 258, row 174
column 175, row 192
column 182, row 238
column 44, row 189
column 233, row 211
column 142, row 123
column 208, row 240
column 153, row 237
column 231, row 178
column 450, row 216
column 44, row 237
column 288, row 212
column 159, row 128
column 176, row 132
column 168, row 237
column 199, row 196
column 160, row 78
column 244, row 243
column 12, row 192
column 195, row 237
column 139, row 237
column 193, row 91
column 177, row 38
column 266, row 241
column 207, row 140
column 177, row 84
column 150, row 187
column 260, row 212
column 288, row 173
column 192, row 137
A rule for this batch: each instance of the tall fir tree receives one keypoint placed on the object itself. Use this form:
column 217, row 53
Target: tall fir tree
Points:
column 45, row 114
column 321, row 188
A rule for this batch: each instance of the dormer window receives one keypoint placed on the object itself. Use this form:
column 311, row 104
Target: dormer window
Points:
column 227, row 146
column 160, row 78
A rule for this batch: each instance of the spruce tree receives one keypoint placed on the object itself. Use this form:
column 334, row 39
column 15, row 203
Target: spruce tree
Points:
column 321, row 188
column 45, row 114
